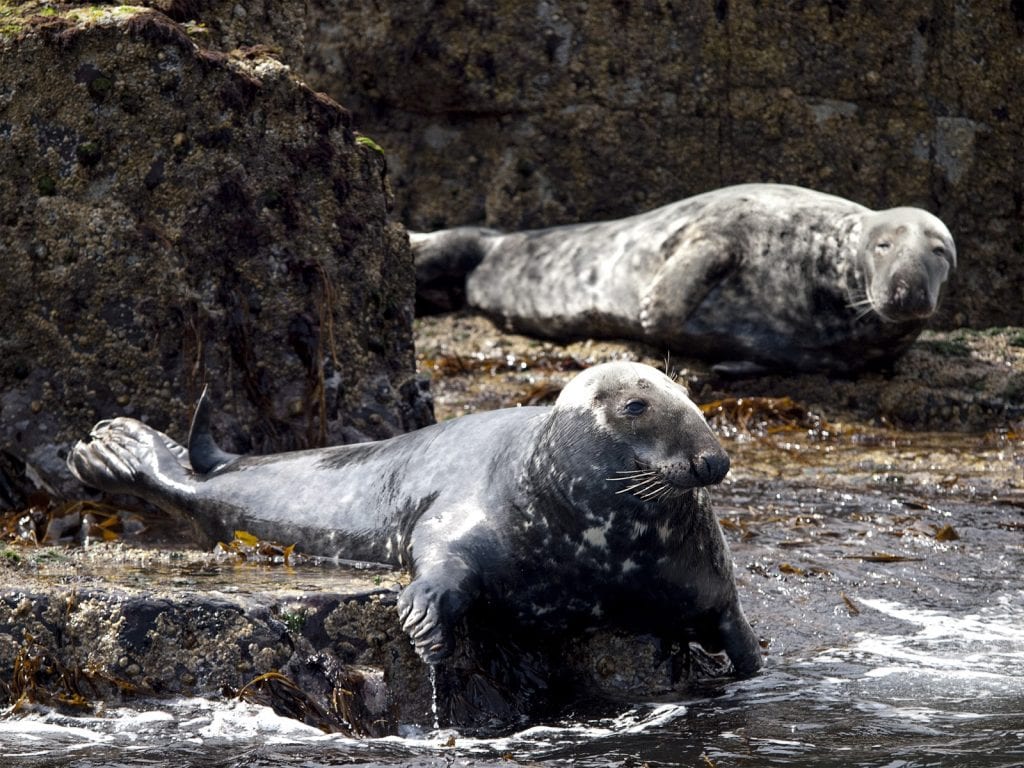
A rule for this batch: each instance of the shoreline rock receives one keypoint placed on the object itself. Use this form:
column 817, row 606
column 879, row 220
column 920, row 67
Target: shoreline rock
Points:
column 323, row 644
column 176, row 216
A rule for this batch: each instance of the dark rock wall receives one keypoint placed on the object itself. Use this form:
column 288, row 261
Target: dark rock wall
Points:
column 172, row 216
column 533, row 114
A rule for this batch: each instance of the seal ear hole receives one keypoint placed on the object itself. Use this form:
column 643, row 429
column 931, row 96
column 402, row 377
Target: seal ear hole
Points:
column 635, row 407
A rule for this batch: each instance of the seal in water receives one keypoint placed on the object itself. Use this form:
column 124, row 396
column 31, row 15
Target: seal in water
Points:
column 589, row 513
column 757, row 276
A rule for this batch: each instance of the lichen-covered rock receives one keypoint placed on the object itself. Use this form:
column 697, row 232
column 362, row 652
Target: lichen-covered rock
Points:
column 278, row 27
column 533, row 114
column 172, row 217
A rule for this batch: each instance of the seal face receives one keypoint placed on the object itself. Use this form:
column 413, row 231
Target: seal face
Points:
column 906, row 255
column 592, row 512
column 757, row 275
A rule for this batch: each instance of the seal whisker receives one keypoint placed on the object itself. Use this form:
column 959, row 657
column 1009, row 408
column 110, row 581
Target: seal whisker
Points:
column 641, row 487
column 864, row 307
column 656, row 492
column 630, row 475
column 865, row 312
column 632, row 489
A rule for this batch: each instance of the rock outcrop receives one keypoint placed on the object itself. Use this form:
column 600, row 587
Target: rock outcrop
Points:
column 172, row 217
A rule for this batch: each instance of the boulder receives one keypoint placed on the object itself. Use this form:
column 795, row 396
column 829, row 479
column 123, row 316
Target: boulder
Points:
column 174, row 217
column 316, row 642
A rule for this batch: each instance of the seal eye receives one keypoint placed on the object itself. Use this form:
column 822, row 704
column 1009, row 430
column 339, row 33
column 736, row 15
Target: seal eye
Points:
column 883, row 246
column 634, row 407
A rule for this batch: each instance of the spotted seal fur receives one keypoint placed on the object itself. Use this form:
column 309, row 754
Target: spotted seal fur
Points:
column 593, row 512
column 755, row 277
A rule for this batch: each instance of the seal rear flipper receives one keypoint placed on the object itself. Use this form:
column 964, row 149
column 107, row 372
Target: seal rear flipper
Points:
column 126, row 456
column 204, row 454
column 443, row 261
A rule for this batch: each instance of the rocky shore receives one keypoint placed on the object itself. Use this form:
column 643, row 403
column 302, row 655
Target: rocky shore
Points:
column 955, row 381
column 151, row 614
column 179, row 206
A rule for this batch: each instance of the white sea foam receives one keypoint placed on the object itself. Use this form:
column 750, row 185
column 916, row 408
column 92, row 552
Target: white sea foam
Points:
column 934, row 666
column 240, row 720
column 982, row 645
column 926, row 673
column 202, row 722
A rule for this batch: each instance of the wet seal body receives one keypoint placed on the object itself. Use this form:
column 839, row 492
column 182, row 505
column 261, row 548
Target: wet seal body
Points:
column 589, row 513
column 756, row 276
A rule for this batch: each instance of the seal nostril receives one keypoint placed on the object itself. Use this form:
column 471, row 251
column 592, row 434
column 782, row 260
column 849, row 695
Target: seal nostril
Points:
column 710, row 467
column 720, row 463
column 912, row 301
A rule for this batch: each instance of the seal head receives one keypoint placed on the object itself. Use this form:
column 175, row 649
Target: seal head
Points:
column 655, row 443
column 907, row 254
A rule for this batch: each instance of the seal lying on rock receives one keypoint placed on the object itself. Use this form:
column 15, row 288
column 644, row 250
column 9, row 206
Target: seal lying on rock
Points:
column 589, row 513
column 759, row 276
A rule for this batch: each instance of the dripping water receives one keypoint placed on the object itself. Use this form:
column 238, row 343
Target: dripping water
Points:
column 434, row 708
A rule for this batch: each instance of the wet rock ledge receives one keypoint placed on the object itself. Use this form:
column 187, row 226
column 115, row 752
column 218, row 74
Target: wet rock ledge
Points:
column 110, row 623
column 967, row 381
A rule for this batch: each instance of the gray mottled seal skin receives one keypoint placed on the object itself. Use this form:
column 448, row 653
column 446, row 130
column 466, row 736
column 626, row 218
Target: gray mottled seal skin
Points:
column 759, row 276
column 589, row 513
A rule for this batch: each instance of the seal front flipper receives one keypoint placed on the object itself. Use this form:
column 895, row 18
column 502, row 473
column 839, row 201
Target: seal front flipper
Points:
column 431, row 606
column 739, row 642
column 203, row 452
column 696, row 266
